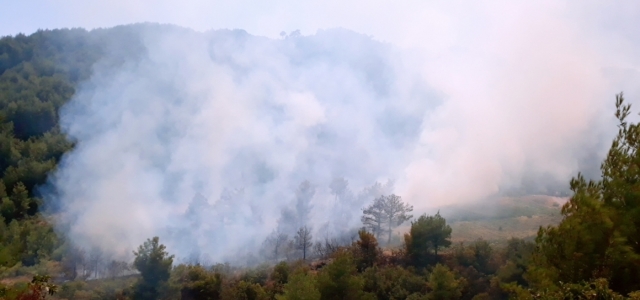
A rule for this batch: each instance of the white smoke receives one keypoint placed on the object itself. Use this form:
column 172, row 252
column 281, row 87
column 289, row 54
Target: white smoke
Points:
column 240, row 120
column 473, row 101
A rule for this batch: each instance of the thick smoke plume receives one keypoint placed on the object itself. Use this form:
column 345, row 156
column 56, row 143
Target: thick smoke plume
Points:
column 214, row 140
column 211, row 140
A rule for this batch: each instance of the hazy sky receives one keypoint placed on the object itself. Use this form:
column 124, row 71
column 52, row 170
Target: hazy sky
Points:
column 436, row 23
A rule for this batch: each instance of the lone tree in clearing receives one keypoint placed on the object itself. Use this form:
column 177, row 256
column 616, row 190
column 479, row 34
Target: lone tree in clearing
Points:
column 385, row 214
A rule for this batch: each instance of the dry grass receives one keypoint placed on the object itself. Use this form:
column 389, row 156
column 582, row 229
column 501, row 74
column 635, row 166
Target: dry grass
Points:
column 519, row 217
column 501, row 229
column 14, row 280
column 499, row 219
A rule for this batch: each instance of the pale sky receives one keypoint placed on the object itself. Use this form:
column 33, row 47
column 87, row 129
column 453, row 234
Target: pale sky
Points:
column 438, row 23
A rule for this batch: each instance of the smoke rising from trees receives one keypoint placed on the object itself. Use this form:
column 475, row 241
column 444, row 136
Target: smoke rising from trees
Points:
column 210, row 140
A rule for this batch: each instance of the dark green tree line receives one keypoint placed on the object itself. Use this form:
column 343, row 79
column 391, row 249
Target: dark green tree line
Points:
column 599, row 236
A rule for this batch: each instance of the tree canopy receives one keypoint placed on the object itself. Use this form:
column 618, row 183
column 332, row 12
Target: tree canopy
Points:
column 154, row 264
column 599, row 236
column 426, row 236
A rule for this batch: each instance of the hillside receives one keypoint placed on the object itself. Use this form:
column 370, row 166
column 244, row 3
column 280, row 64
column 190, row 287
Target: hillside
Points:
column 498, row 219
column 518, row 217
column 82, row 185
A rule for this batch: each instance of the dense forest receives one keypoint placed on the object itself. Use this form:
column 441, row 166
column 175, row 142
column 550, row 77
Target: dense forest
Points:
column 593, row 253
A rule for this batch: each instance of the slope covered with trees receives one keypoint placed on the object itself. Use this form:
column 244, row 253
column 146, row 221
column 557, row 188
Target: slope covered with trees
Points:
column 38, row 74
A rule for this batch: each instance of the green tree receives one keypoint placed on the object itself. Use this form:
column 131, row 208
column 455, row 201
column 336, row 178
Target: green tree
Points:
column 373, row 217
column 428, row 233
column 280, row 273
column 20, row 202
column 154, row 264
column 366, row 250
column 443, row 284
column 518, row 259
column 478, row 255
column 599, row 236
column 243, row 290
column 196, row 283
column 279, row 277
column 393, row 282
column 301, row 286
column 596, row 289
column 339, row 280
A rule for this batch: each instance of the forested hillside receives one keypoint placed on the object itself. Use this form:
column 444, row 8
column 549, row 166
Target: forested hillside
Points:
column 594, row 253
column 38, row 74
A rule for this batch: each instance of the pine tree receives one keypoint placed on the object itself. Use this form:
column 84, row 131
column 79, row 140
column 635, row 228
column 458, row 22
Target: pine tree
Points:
column 385, row 214
column 303, row 241
column 599, row 236
column 443, row 284
column 427, row 234
column 154, row 264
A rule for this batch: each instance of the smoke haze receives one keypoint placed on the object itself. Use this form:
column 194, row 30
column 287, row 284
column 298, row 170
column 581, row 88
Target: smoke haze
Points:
column 203, row 138
column 238, row 122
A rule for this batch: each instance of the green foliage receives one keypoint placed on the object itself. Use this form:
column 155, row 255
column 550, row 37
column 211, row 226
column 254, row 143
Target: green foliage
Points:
column 339, row 280
column 366, row 250
column 443, row 284
column 19, row 205
column 596, row 289
column 37, row 76
column 195, row 282
column 154, row 264
column 477, row 255
column 427, row 235
column 279, row 277
column 27, row 242
column 477, row 262
column 393, row 282
column 518, row 258
column 257, row 275
column 243, row 290
column 280, row 273
column 599, row 236
column 301, row 286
